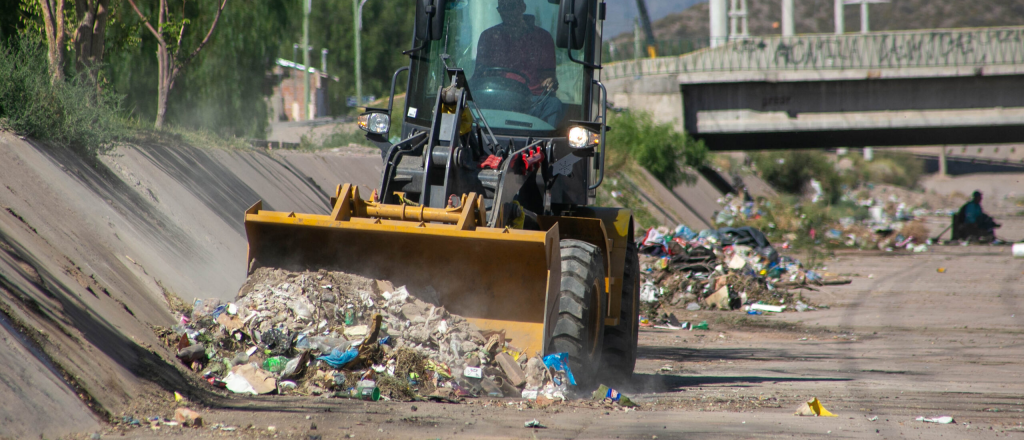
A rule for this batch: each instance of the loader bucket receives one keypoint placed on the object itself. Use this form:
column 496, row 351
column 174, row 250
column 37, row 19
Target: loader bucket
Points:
column 498, row 279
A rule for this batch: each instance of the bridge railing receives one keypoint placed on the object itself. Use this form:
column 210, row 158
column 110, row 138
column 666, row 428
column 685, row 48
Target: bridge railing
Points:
column 666, row 48
column 931, row 48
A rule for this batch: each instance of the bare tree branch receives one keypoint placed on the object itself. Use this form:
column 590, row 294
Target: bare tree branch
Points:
column 144, row 20
column 208, row 35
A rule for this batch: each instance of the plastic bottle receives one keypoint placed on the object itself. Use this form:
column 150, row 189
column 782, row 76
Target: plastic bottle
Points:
column 275, row 364
column 350, row 315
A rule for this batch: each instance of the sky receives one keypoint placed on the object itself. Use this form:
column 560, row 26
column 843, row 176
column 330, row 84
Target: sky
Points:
column 621, row 13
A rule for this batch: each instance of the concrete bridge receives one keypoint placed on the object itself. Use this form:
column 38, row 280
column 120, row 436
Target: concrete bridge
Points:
column 933, row 87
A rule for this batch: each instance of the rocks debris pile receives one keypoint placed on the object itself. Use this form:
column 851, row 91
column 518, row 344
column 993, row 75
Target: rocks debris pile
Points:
column 335, row 334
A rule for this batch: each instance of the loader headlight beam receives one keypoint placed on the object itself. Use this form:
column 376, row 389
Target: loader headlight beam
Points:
column 376, row 123
column 581, row 137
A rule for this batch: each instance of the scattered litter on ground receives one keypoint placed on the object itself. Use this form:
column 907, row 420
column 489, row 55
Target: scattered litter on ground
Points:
column 188, row 417
column 533, row 424
column 612, row 396
column 945, row 420
column 813, row 407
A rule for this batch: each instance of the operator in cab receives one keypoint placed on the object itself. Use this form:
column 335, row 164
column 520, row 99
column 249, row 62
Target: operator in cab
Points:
column 527, row 52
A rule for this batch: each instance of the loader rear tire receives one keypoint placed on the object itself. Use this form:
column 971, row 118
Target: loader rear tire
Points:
column 577, row 321
column 620, row 341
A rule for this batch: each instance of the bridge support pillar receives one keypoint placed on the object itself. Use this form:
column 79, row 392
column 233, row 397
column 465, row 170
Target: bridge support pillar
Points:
column 942, row 161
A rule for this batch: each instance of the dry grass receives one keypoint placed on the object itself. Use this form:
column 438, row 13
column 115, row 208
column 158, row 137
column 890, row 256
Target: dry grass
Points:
column 915, row 229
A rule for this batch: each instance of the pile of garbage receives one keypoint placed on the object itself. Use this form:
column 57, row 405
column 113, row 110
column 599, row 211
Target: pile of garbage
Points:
column 722, row 269
column 884, row 223
column 335, row 334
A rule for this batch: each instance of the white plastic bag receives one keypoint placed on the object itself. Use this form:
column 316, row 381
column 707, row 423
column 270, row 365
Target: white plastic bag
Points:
column 648, row 292
column 237, row 384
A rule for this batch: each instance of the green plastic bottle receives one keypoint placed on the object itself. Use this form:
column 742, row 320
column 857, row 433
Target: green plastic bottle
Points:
column 275, row 364
column 350, row 316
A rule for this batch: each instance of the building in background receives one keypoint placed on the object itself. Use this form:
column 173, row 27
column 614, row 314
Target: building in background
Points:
column 287, row 99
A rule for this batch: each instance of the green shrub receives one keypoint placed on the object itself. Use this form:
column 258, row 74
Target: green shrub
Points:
column 657, row 147
column 68, row 114
column 891, row 167
column 792, row 171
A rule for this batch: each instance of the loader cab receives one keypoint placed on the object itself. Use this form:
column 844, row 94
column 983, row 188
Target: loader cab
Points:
column 503, row 102
column 525, row 83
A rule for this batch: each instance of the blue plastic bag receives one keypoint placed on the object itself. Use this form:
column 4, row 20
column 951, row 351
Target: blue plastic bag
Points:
column 685, row 232
column 560, row 362
column 337, row 358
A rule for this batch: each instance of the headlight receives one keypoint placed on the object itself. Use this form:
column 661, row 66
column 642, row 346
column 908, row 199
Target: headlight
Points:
column 580, row 137
column 377, row 123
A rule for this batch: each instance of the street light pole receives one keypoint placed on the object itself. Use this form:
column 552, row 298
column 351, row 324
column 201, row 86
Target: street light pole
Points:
column 306, row 6
column 357, row 16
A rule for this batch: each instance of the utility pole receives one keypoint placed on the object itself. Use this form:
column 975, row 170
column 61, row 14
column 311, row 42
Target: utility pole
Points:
column 636, row 39
column 865, row 27
column 788, row 29
column 840, row 19
column 357, row 16
column 645, row 20
column 738, row 28
column 719, row 22
column 307, row 5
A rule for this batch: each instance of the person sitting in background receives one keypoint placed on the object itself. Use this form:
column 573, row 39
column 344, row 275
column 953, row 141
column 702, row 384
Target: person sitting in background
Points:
column 977, row 224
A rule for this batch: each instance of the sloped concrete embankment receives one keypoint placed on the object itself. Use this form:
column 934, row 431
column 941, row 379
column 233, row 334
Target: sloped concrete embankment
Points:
column 88, row 249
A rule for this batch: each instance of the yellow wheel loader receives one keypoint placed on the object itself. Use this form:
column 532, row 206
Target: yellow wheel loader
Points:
column 484, row 204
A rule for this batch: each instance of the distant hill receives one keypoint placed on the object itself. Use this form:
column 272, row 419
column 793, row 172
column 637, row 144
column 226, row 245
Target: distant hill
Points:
column 815, row 16
column 622, row 12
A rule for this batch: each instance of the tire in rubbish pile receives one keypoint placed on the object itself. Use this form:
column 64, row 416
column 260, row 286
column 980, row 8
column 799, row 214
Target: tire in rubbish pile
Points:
column 578, row 312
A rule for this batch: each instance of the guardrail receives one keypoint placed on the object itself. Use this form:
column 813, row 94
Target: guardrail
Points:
column 930, row 48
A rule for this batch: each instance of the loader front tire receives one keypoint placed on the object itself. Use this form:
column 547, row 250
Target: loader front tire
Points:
column 577, row 319
column 620, row 341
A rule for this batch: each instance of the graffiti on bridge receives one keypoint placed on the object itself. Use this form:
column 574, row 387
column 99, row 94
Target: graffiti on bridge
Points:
column 936, row 48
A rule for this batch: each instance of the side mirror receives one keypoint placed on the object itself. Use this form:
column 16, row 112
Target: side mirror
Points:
column 574, row 18
column 430, row 19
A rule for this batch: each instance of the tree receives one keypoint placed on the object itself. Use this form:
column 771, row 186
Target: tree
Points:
column 658, row 147
column 90, row 34
column 170, row 62
column 53, row 24
column 387, row 31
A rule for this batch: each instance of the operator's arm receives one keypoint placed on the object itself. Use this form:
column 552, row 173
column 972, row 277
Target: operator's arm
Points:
column 546, row 55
